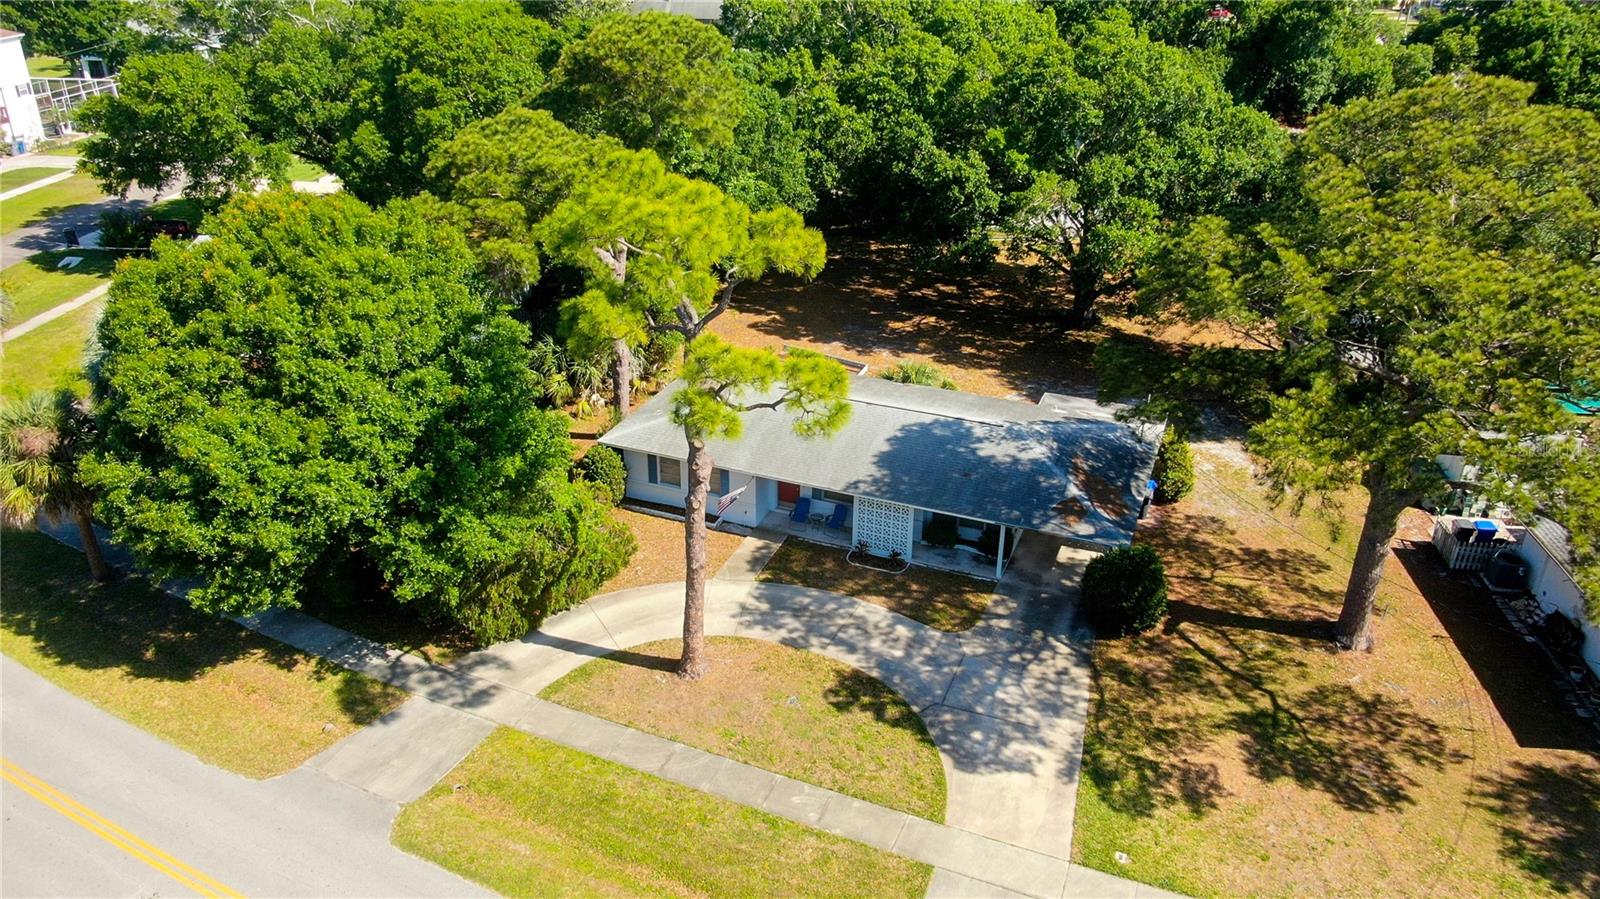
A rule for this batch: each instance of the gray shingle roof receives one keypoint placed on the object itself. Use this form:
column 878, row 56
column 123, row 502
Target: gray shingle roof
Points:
column 1065, row 467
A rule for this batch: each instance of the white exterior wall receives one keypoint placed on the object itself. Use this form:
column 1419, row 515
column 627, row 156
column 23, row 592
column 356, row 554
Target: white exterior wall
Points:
column 825, row 506
column 16, row 93
column 1550, row 583
column 746, row 510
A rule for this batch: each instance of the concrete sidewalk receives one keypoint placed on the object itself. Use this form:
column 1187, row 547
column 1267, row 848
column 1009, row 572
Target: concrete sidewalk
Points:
column 21, row 189
column 55, row 312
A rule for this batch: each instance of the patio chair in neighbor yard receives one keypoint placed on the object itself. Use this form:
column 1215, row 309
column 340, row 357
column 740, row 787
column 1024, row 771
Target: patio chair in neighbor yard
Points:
column 837, row 516
column 801, row 514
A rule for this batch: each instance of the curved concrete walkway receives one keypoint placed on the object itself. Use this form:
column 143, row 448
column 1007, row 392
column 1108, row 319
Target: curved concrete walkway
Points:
column 1004, row 702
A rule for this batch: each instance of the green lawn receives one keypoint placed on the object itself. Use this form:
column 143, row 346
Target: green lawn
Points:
column 49, row 67
column 230, row 696
column 66, row 149
column 526, row 817
column 35, row 206
column 301, row 170
column 781, row 709
column 36, row 284
column 51, row 356
column 13, row 178
column 941, row 599
column 178, row 208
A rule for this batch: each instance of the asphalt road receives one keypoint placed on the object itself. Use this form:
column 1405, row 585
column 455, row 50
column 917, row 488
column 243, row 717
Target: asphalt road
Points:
column 93, row 806
column 18, row 245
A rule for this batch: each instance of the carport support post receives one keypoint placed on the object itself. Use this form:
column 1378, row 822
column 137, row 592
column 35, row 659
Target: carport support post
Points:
column 1000, row 554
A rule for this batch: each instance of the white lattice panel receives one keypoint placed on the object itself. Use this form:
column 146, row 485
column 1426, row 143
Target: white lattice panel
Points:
column 885, row 526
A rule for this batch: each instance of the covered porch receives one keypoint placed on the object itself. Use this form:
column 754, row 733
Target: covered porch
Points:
column 888, row 530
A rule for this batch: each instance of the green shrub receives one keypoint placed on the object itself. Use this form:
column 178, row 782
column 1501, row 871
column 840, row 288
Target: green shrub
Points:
column 602, row 466
column 920, row 373
column 573, row 550
column 941, row 531
column 1174, row 468
column 123, row 231
column 1125, row 591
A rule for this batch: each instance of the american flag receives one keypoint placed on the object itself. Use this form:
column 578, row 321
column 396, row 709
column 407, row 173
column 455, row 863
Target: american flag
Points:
column 728, row 498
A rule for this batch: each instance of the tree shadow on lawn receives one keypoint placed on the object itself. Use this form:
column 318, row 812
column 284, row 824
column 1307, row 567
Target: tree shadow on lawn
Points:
column 878, row 298
column 1233, row 664
column 1549, row 820
column 1178, row 703
column 854, row 690
column 1232, row 582
column 1518, row 677
column 135, row 627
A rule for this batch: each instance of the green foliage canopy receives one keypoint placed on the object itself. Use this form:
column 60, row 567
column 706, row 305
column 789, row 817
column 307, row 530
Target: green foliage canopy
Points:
column 1125, row 591
column 65, row 29
column 1122, row 134
column 655, row 81
column 176, row 116
column 1552, row 43
column 320, row 378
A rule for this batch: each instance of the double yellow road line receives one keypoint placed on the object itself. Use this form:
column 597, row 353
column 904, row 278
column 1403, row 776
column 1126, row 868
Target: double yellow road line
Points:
column 97, row 824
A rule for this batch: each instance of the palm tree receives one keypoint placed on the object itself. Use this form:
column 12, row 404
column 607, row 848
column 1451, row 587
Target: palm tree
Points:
column 42, row 439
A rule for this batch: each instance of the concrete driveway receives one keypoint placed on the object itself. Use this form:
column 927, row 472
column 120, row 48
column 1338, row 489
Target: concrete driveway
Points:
column 1005, row 702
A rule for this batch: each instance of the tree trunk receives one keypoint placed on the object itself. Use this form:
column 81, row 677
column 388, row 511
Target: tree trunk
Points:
column 622, row 377
column 1085, row 282
column 99, row 569
column 1378, row 526
column 693, row 664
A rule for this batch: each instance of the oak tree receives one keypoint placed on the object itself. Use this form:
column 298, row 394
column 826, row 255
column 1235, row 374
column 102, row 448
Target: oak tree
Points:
column 326, row 380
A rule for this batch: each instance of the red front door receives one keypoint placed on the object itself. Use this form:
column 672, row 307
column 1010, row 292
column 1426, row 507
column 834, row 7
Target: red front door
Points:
column 788, row 493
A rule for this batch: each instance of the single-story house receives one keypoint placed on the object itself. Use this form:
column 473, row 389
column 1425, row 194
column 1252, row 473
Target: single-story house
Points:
column 909, row 456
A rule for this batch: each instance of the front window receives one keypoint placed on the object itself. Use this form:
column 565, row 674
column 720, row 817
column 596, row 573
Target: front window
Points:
column 828, row 496
column 670, row 471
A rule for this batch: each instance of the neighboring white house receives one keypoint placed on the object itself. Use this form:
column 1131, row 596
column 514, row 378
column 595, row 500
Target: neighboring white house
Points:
column 909, row 455
column 1548, row 552
column 19, row 112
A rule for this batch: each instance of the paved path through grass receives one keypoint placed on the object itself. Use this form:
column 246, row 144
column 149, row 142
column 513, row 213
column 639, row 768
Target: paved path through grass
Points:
column 55, row 312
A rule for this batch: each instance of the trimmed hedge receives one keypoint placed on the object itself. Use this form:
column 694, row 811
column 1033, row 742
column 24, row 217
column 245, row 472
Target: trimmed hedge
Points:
column 1125, row 591
column 602, row 466
column 1174, row 469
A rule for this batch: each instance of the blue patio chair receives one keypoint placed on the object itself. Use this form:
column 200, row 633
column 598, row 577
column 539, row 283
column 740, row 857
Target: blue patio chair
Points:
column 801, row 513
column 837, row 516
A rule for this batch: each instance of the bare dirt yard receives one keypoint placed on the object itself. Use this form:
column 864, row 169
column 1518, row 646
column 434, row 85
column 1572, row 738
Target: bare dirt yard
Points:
column 1232, row 752
column 995, row 335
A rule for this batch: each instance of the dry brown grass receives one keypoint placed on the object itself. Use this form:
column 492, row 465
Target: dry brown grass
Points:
column 1233, row 752
column 230, row 696
column 941, row 599
column 659, row 558
column 780, row 709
